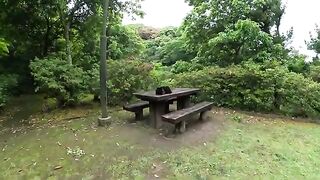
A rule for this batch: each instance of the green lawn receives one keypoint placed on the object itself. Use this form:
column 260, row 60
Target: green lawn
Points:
column 237, row 146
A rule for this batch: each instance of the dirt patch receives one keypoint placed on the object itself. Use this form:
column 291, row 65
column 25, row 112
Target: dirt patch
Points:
column 198, row 133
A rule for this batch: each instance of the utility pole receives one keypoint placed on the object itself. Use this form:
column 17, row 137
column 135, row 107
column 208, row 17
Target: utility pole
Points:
column 104, row 119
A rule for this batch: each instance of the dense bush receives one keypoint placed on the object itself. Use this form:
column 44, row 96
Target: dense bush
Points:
column 3, row 47
column 8, row 82
column 314, row 73
column 184, row 66
column 298, row 64
column 168, row 47
column 300, row 96
column 161, row 75
column 56, row 78
column 258, row 88
column 124, row 78
column 238, row 44
column 125, row 42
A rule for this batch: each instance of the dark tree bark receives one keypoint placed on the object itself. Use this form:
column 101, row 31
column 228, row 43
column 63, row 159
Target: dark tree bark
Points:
column 47, row 42
column 68, row 45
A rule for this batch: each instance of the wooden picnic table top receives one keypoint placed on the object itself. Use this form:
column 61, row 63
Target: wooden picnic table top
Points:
column 177, row 92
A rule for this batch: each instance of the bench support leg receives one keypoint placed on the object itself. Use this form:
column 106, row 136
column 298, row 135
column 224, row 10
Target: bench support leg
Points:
column 183, row 127
column 167, row 110
column 139, row 115
column 183, row 102
column 180, row 127
column 201, row 116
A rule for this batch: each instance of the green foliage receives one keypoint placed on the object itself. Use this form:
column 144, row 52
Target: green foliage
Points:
column 183, row 66
column 8, row 82
column 299, row 96
column 3, row 47
column 124, row 42
column 298, row 64
column 55, row 77
column 315, row 73
column 314, row 43
column 256, row 87
column 240, row 43
column 125, row 77
column 39, row 28
column 162, row 75
column 168, row 48
column 237, row 118
column 211, row 17
column 230, row 32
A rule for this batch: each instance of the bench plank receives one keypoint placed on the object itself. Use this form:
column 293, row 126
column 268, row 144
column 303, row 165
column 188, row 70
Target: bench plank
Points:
column 136, row 106
column 178, row 116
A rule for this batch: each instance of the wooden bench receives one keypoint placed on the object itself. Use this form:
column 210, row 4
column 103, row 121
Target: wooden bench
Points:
column 178, row 118
column 137, row 108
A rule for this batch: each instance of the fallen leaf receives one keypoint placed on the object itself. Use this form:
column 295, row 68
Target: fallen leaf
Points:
column 57, row 167
column 5, row 147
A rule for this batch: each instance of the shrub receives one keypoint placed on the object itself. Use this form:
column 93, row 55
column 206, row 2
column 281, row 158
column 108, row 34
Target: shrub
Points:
column 124, row 78
column 56, row 78
column 298, row 64
column 257, row 88
column 161, row 75
column 8, row 82
column 300, row 96
column 314, row 73
column 183, row 66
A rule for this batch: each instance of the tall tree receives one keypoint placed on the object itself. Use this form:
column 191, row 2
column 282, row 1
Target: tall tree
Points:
column 30, row 26
column 226, row 26
column 210, row 17
column 103, row 66
column 72, row 13
column 314, row 43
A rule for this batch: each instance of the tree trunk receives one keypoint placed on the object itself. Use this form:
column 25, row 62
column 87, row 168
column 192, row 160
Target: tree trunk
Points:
column 103, row 66
column 68, row 46
column 46, row 39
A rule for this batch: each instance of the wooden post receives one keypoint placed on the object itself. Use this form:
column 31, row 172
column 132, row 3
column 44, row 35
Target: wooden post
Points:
column 139, row 115
column 182, row 103
column 157, row 109
column 103, row 67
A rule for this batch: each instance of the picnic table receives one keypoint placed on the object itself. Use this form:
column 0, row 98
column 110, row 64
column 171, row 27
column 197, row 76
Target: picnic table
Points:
column 158, row 104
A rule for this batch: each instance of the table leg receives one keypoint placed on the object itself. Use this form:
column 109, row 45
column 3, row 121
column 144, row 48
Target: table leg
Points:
column 157, row 109
column 167, row 110
column 182, row 102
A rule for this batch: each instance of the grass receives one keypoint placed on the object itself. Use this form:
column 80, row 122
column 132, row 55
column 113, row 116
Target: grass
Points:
column 246, row 147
